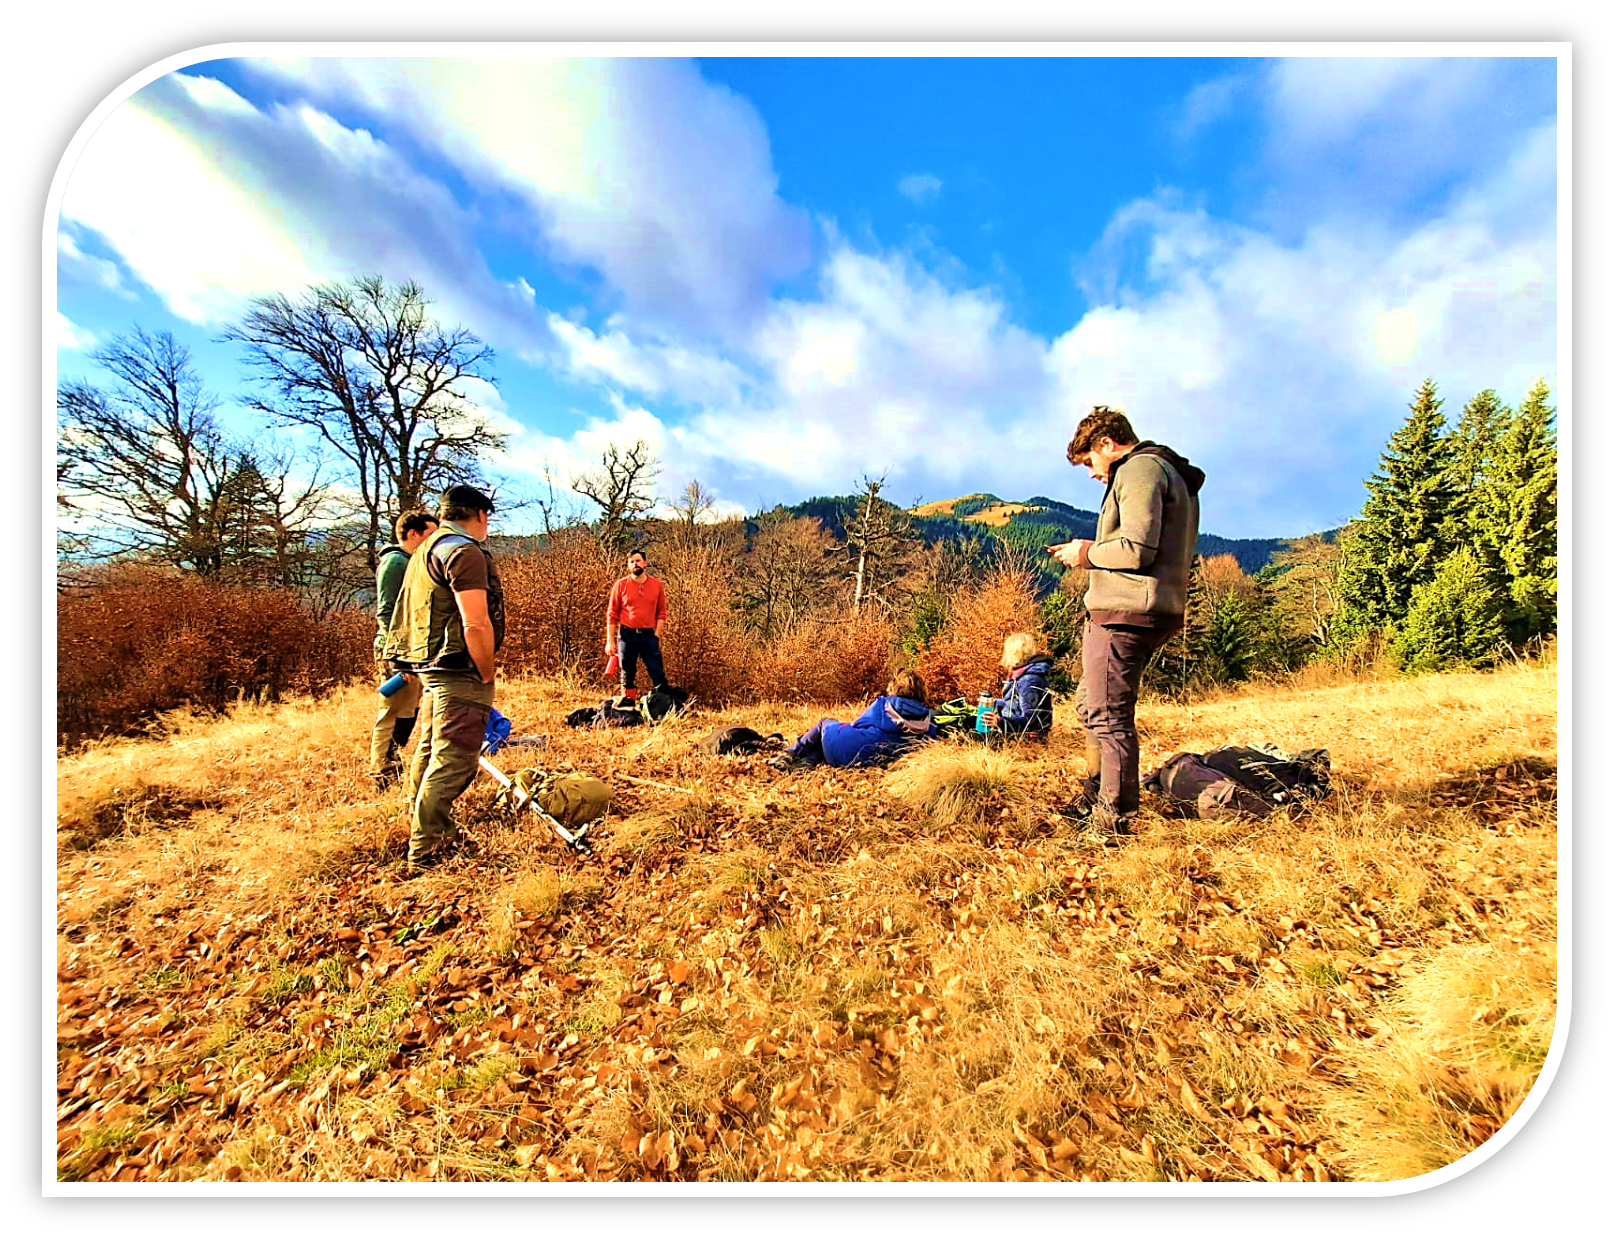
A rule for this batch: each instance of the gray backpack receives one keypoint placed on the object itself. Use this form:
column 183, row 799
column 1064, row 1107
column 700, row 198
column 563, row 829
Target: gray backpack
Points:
column 1239, row 780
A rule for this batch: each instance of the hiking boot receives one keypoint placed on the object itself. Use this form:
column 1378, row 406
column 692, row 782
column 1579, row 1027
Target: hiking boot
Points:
column 1108, row 818
column 420, row 861
column 386, row 778
column 784, row 761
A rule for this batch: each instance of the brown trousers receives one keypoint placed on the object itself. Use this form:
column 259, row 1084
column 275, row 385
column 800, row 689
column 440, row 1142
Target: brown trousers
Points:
column 1113, row 659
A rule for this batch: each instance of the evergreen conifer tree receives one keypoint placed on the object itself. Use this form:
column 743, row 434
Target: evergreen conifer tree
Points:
column 1455, row 619
column 1227, row 646
column 1176, row 663
column 1404, row 532
column 1474, row 442
column 1516, row 516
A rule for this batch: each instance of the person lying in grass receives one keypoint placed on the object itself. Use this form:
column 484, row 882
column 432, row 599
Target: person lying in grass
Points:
column 1026, row 708
column 893, row 721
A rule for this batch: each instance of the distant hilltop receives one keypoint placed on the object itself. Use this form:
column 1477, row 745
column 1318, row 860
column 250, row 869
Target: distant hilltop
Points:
column 1039, row 520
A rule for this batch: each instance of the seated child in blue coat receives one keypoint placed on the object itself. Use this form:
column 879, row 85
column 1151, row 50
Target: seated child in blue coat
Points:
column 1026, row 708
column 892, row 722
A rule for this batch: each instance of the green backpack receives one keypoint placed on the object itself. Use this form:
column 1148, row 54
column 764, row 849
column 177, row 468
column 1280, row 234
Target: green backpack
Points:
column 570, row 797
column 955, row 716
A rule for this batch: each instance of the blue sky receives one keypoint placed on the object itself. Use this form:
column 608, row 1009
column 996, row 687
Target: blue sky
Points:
column 788, row 273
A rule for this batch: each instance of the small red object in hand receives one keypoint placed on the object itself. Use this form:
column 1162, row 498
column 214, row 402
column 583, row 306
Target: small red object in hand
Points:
column 613, row 664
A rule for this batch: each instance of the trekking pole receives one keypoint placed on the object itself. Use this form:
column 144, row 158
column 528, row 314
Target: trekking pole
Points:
column 577, row 842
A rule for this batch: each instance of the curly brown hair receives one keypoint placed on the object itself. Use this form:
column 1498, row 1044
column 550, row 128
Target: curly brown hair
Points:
column 1102, row 423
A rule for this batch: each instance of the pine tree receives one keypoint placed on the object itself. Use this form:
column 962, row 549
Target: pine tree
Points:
column 1227, row 647
column 1455, row 619
column 1516, row 516
column 1474, row 443
column 1405, row 531
column 1176, row 663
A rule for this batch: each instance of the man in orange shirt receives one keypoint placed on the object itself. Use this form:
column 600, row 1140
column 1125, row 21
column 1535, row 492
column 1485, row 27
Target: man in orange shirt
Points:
column 633, row 620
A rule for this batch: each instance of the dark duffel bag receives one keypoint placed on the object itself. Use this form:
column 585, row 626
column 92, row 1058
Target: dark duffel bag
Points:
column 739, row 742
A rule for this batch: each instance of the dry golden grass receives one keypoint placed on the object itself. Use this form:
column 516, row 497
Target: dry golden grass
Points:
column 998, row 514
column 916, row 973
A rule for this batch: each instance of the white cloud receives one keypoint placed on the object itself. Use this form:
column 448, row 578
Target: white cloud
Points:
column 210, row 200
column 1276, row 366
column 889, row 370
column 1383, row 138
column 73, row 264
column 70, row 335
column 655, row 367
column 635, row 167
column 920, row 187
column 1208, row 102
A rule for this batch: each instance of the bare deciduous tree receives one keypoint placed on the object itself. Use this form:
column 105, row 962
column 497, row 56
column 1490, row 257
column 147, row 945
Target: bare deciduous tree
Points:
column 144, row 466
column 623, row 485
column 880, row 540
column 369, row 370
column 786, row 573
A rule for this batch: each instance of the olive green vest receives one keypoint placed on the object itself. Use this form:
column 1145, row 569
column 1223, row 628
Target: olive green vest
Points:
column 427, row 633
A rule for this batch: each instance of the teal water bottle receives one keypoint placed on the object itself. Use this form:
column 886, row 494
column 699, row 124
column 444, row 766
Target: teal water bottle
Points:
column 392, row 684
column 983, row 706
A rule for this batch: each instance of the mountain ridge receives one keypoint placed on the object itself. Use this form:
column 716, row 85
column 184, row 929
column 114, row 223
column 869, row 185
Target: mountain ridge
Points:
column 1030, row 523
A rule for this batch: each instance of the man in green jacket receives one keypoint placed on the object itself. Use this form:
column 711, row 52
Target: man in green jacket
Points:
column 1139, row 559
column 448, row 627
column 396, row 719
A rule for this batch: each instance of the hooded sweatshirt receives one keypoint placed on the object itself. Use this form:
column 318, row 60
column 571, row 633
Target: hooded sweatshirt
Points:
column 1148, row 527
column 889, row 725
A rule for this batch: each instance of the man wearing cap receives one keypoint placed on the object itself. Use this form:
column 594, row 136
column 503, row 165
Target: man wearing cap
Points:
column 1140, row 557
column 447, row 627
column 633, row 618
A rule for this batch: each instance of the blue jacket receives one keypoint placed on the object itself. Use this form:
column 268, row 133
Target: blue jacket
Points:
column 1027, row 705
column 888, row 726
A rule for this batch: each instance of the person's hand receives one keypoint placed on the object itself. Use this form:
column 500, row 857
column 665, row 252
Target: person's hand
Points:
column 1072, row 554
column 990, row 718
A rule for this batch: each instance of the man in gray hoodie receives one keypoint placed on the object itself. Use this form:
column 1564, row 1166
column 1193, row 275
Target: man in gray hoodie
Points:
column 1140, row 558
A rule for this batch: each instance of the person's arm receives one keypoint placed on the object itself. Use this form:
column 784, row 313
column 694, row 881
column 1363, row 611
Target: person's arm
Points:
column 388, row 585
column 661, row 607
column 613, row 611
column 1140, row 495
column 473, row 605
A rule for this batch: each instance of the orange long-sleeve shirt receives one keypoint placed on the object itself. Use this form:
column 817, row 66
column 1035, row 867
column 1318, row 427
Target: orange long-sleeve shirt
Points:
column 638, row 603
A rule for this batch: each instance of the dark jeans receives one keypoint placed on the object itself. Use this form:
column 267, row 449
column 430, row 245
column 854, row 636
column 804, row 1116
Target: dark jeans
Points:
column 1113, row 659
column 632, row 644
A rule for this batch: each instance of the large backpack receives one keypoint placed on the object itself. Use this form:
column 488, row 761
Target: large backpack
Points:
column 658, row 703
column 570, row 797
column 612, row 712
column 1236, row 780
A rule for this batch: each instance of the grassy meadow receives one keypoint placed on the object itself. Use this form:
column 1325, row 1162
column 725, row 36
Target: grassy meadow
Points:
column 919, row 973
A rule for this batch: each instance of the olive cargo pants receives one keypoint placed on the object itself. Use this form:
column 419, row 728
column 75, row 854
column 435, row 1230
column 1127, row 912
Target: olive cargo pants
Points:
column 446, row 758
column 393, row 723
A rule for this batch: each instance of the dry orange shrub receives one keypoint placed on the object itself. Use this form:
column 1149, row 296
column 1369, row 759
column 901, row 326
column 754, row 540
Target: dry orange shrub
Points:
column 705, row 649
column 133, row 641
column 965, row 658
column 555, row 605
column 830, row 660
